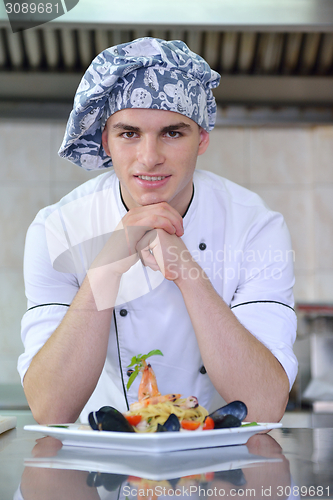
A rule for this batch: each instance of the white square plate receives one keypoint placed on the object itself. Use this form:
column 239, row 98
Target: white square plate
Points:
column 157, row 442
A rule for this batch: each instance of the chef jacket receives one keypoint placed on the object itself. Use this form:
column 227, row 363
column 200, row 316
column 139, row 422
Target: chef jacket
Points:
column 243, row 247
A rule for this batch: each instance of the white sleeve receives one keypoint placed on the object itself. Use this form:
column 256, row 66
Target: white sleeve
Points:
column 274, row 325
column 49, row 294
column 263, row 301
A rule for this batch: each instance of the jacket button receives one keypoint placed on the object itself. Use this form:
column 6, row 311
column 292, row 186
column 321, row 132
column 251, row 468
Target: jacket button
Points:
column 202, row 246
column 123, row 312
column 203, row 370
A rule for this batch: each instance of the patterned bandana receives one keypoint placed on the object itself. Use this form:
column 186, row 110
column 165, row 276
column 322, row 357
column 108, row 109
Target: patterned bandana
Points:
column 145, row 73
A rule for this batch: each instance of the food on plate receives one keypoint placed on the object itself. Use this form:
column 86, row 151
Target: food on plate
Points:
column 108, row 418
column 154, row 412
column 229, row 414
column 148, row 379
column 157, row 414
column 171, row 424
column 208, row 424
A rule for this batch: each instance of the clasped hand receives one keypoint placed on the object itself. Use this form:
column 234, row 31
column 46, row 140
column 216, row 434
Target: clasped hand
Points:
column 151, row 233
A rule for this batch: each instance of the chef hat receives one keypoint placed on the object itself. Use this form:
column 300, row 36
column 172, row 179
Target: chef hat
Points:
column 145, row 73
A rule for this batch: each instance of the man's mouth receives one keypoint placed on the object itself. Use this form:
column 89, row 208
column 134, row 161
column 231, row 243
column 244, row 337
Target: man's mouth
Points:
column 151, row 178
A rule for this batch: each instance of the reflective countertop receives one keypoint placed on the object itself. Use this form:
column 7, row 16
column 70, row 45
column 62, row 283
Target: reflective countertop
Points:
column 285, row 463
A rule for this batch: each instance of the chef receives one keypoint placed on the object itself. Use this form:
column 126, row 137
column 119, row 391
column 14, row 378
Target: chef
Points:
column 153, row 254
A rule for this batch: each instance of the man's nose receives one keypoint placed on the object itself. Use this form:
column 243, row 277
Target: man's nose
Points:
column 150, row 152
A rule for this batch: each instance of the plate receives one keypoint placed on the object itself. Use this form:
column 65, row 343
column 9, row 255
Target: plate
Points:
column 155, row 466
column 157, row 442
column 7, row 423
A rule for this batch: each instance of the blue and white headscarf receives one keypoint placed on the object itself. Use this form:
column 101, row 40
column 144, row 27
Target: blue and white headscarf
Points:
column 145, row 73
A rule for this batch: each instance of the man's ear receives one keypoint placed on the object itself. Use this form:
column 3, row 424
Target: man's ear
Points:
column 204, row 141
column 105, row 141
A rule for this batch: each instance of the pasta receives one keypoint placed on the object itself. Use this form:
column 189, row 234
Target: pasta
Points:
column 155, row 414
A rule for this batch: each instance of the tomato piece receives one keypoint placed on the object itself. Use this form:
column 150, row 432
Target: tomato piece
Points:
column 134, row 419
column 134, row 479
column 190, row 425
column 208, row 424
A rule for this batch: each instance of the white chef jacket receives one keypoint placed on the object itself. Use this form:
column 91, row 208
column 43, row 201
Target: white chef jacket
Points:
column 241, row 244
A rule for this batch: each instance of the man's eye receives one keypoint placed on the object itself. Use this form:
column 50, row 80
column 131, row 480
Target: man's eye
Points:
column 128, row 135
column 173, row 134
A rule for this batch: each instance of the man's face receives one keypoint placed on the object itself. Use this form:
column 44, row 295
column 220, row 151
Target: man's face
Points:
column 154, row 154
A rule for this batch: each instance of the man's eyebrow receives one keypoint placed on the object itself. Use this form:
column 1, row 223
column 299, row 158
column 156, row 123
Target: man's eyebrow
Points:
column 176, row 126
column 124, row 126
column 168, row 128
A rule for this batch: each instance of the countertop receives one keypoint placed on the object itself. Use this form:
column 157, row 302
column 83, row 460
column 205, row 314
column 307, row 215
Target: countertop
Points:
column 286, row 463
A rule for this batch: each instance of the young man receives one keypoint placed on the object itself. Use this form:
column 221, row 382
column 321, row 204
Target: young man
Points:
column 154, row 255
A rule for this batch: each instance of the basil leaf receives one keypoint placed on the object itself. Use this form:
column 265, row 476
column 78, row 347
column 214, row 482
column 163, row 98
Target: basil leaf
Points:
column 134, row 361
column 137, row 361
column 155, row 352
column 59, row 425
column 132, row 378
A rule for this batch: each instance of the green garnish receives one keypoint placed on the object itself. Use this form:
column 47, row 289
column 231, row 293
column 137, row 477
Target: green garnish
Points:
column 138, row 362
column 252, row 424
column 59, row 425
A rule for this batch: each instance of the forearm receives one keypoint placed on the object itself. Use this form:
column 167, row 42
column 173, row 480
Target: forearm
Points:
column 64, row 373
column 239, row 365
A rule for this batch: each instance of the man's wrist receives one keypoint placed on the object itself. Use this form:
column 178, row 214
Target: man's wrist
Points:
column 104, row 283
column 189, row 274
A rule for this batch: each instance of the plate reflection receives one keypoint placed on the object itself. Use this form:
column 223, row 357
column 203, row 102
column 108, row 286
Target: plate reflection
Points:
column 254, row 470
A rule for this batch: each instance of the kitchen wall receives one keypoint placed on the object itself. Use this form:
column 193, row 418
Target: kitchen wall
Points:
column 290, row 168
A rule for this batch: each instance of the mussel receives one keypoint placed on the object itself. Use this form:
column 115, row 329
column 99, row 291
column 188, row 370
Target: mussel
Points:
column 230, row 415
column 171, row 424
column 233, row 476
column 110, row 481
column 108, row 418
column 227, row 421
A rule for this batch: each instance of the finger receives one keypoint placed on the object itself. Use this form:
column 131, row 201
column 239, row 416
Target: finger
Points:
column 157, row 216
column 149, row 222
column 144, row 247
column 150, row 250
column 135, row 234
column 120, row 244
column 148, row 260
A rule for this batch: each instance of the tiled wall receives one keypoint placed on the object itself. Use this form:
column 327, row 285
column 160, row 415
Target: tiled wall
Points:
column 291, row 168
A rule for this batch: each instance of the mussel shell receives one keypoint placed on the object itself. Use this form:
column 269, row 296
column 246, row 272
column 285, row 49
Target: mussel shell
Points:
column 236, row 408
column 108, row 418
column 234, row 476
column 96, row 418
column 171, row 424
column 161, row 428
column 92, row 421
column 227, row 421
column 105, row 409
column 94, row 479
column 110, row 481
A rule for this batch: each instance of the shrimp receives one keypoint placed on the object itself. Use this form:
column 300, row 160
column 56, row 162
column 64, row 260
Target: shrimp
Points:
column 153, row 401
column 148, row 385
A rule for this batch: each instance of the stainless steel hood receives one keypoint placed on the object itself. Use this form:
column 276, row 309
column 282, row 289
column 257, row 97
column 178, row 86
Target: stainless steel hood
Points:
column 269, row 53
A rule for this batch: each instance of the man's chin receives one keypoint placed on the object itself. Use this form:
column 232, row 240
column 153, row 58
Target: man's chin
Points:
column 151, row 200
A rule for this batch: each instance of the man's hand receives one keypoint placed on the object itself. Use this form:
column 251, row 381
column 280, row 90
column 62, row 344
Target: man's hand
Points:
column 157, row 216
column 120, row 252
column 166, row 253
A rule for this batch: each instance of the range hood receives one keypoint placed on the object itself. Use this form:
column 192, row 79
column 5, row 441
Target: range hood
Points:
column 271, row 55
